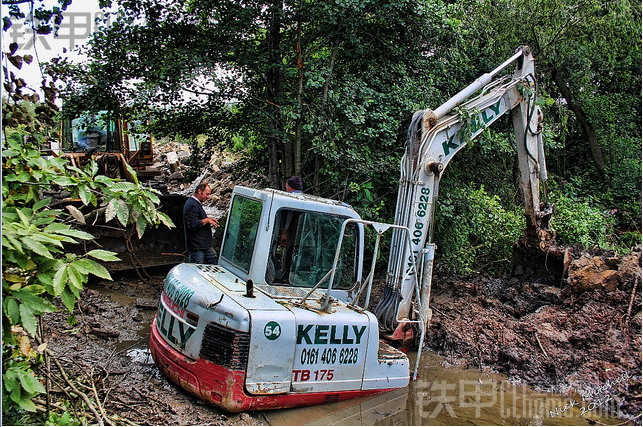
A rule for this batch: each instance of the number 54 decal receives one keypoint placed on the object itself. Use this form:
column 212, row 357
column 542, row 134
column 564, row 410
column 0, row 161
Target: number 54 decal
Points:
column 272, row 330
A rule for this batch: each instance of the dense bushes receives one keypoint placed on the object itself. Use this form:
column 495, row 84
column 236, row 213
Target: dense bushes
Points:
column 473, row 231
column 593, row 221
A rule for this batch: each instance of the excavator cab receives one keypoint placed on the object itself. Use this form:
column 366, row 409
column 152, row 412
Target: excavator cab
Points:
column 297, row 246
column 90, row 134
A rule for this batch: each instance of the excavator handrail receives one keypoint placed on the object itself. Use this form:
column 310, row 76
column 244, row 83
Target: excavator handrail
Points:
column 380, row 229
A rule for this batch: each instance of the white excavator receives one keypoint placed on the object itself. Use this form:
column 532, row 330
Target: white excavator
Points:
column 283, row 319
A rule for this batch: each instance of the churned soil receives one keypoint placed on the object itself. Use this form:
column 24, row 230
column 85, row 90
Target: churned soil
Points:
column 566, row 336
column 571, row 336
column 107, row 349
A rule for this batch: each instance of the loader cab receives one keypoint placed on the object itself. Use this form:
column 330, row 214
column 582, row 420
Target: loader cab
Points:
column 105, row 132
column 90, row 133
column 290, row 240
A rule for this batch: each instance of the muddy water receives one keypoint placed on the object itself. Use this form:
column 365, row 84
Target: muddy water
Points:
column 440, row 396
column 142, row 335
column 450, row 396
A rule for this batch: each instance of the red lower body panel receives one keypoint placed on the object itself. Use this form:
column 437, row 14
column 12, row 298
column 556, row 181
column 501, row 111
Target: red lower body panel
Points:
column 224, row 388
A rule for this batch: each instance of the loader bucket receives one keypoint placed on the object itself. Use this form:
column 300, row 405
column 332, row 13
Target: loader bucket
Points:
column 159, row 247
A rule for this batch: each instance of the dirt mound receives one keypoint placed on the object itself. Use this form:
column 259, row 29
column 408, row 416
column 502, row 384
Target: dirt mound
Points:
column 105, row 350
column 222, row 172
column 569, row 338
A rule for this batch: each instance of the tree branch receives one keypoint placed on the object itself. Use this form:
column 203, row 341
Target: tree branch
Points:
column 588, row 127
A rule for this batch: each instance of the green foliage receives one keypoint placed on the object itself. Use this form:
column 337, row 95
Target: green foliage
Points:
column 580, row 222
column 581, row 219
column 338, row 81
column 36, row 269
column 20, row 385
column 473, row 231
column 322, row 95
column 62, row 420
column 595, row 47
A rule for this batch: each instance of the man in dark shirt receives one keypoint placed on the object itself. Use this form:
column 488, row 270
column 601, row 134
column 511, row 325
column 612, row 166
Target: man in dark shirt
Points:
column 198, row 228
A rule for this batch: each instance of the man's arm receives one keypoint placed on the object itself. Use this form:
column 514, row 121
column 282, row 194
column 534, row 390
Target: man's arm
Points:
column 192, row 215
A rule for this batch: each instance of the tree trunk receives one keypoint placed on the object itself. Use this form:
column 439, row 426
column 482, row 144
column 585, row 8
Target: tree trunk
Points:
column 318, row 158
column 588, row 127
column 300, row 89
column 275, row 90
column 330, row 73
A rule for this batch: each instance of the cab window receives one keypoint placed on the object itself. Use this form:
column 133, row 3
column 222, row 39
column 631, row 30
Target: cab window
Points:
column 303, row 249
column 241, row 233
column 91, row 133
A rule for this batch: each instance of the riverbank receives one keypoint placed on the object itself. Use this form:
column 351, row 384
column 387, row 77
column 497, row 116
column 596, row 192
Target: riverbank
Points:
column 581, row 337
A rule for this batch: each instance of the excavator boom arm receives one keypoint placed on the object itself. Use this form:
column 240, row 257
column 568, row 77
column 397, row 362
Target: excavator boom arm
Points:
column 434, row 138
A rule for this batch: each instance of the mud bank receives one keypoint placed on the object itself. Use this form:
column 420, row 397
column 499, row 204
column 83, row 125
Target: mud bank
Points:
column 575, row 338
column 579, row 337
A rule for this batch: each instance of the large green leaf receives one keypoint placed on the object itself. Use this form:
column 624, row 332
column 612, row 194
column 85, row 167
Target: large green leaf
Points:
column 25, row 216
column 75, row 276
column 141, row 225
column 69, row 299
column 37, row 247
column 34, row 302
column 29, row 383
column 78, row 234
column 122, row 186
column 11, row 309
column 56, row 227
column 83, row 265
column 41, row 204
column 111, row 210
column 45, row 278
column 99, row 270
column 64, row 181
column 27, row 404
column 132, row 172
column 34, row 289
column 28, row 318
column 47, row 239
column 122, row 212
column 11, row 243
column 85, row 194
column 166, row 220
column 103, row 255
column 60, row 279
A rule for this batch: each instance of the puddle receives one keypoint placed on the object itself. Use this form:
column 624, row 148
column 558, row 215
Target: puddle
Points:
column 141, row 343
column 451, row 396
column 139, row 328
column 140, row 356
